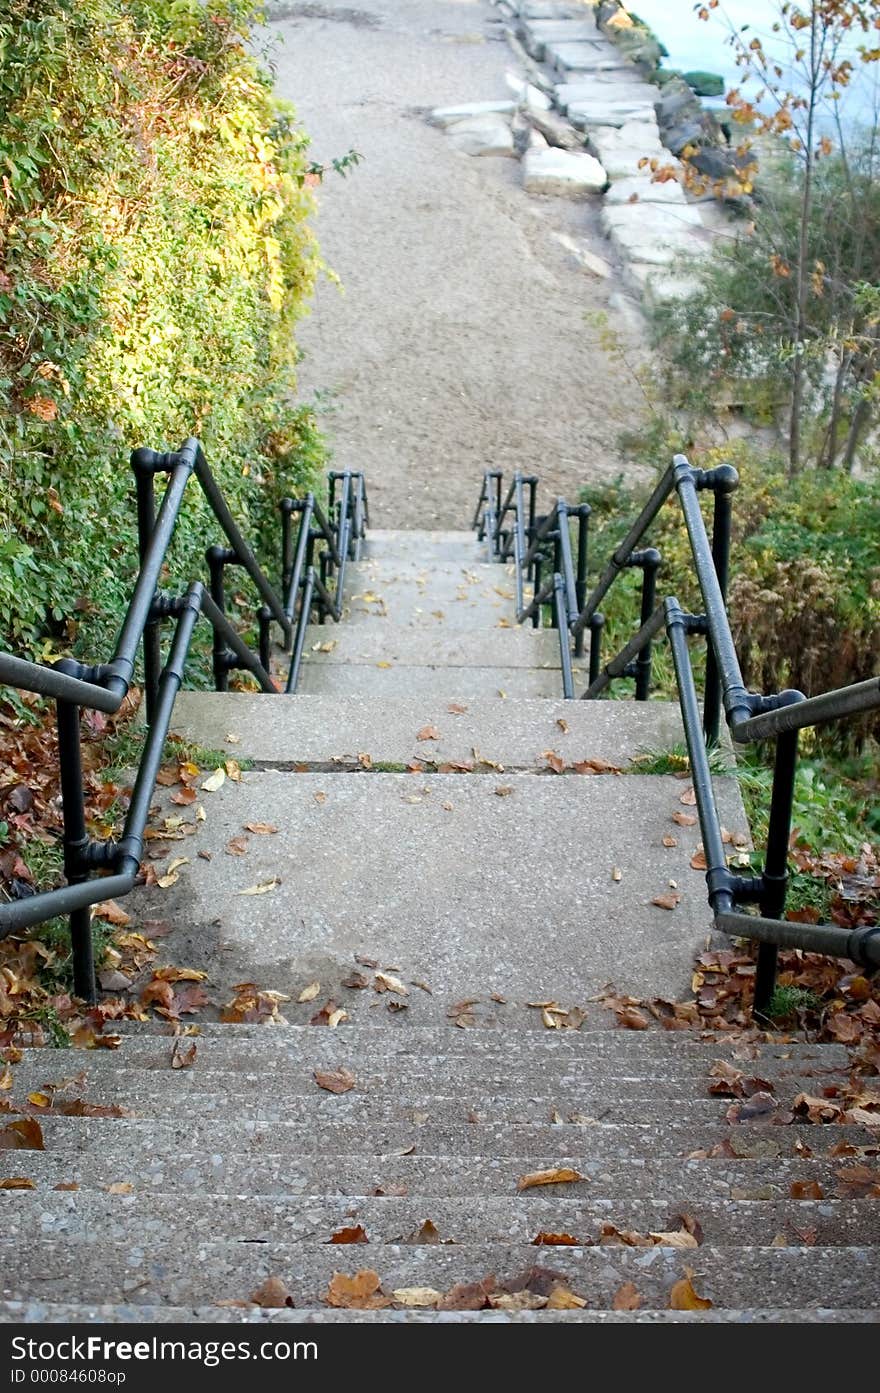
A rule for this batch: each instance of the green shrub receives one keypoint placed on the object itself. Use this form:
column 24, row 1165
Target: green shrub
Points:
column 155, row 256
column 804, row 595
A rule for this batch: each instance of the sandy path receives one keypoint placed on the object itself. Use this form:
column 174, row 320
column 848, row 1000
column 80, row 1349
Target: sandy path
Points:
column 460, row 342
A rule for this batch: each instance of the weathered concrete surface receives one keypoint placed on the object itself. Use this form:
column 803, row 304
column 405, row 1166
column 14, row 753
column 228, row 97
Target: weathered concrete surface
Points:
column 434, row 683
column 460, row 315
column 643, row 189
column 440, row 875
column 653, row 234
column 486, row 134
column 611, row 111
column 376, row 640
column 450, row 115
column 322, row 730
column 538, row 33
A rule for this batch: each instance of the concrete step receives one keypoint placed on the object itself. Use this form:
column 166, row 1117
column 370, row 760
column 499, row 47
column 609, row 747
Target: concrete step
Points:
column 289, row 1219
column 764, row 1177
column 428, row 547
column 406, row 1105
column 144, row 1136
column 460, row 684
column 600, row 1050
column 444, row 595
column 329, row 731
column 467, row 891
column 116, row 1074
column 176, row 1272
column 36, row 1312
column 376, row 640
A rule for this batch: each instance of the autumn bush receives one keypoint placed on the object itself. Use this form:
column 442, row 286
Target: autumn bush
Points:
column 155, row 256
column 804, row 594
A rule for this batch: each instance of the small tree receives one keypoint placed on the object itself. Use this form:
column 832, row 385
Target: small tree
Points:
column 789, row 106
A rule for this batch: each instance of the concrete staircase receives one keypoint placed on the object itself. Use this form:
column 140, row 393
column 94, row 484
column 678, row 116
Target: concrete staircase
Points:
column 422, row 833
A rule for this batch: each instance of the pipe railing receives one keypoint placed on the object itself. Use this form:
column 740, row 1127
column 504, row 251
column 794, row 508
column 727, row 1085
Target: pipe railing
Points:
column 534, row 543
column 96, row 871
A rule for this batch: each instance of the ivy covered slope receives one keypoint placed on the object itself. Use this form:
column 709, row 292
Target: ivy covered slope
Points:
column 155, row 256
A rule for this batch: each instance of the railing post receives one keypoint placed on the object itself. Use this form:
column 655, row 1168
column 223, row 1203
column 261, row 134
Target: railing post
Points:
column 146, row 521
column 76, row 840
column 775, row 875
column 532, row 481
column 288, row 507
column 580, row 585
column 264, row 619
column 723, row 481
column 536, row 587
column 597, row 624
column 649, row 560
column 217, row 558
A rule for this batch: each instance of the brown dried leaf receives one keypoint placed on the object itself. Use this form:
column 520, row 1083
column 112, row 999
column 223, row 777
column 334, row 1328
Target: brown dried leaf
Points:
column 112, row 912
column 17, row 1182
column 271, row 1294
column 263, row 829
column 354, row 1234
column 682, row 1297
column 555, row 1240
column 561, row 1299
column 806, row 1190
column 428, row 733
column 335, row 1080
column 237, row 846
column 670, row 901
column 25, row 1134
column 684, row 819
column 386, row 983
column 360, row 1292
column 556, row 1175
column 626, row 1298
column 688, row 797
column 554, row 761
column 183, row 1057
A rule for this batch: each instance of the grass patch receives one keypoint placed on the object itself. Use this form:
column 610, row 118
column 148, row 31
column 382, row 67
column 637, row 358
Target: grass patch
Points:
column 788, row 1001
column 674, row 759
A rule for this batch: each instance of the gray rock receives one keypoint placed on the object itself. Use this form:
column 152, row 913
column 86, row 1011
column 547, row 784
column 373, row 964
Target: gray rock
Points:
column 643, row 189
column 610, row 113
column 565, row 173
column 536, row 34
column 622, row 150
column 653, row 234
column 451, row 115
column 489, row 134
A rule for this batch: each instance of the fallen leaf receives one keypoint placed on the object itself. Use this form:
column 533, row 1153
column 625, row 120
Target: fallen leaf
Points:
column 26, row 1134
column 66, row 1185
column 120, row 1187
column 17, row 1182
column 112, row 912
column 682, row 1297
column 214, row 781
column 456, row 708
column 554, row 761
column 563, row 725
column 684, row 819
column 626, row 1298
column 806, row 1190
column 428, row 1234
column 263, row 888
column 468, row 1296
column 335, row 1080
column 360, row 1292
column 670, row 841
column 428, row 733
column 678, row 1239
column 688, row 797
column 858, row 1182
column 320, row 798
column 6, row 1079
column 237, row 846
column 555, row 1240
column 631, row 1018
column 184, row 796
column 183, row 1057
column 417, row 1297
column 698, row 860
column 364, row 760
column 271, row 1294
column 556, row 1175
column 386, row 983
column 309, row 993
column 524, row 1300
column 178, row 974
column 504, row 791
column 262, row 829
column 670, row 901
column 355, row 1234
column 561, row 1299
column 355, row 980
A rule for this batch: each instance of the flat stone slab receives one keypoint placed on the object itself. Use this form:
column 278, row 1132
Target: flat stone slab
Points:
column 439, row 876
column 582, row 57
column 389, row 545
column 537, row 33
column 615, row 112
column 378, row 641
column 652, row 233
column 489, row 134
column 562, row 173
column 642, row 188
column 615, row 87
column 621, row 149
column 451, row 115
column 329, row 732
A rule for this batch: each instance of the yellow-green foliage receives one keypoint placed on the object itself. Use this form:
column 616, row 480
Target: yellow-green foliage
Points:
column 154, row 259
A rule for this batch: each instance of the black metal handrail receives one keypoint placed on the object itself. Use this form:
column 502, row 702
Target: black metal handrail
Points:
column 97, row 871
column 750, row 716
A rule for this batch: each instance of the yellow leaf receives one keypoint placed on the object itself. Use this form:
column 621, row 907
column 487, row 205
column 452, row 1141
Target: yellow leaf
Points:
column 40, row 1100
column 682, row 1297
column 310, row 992
column 386, row 983
column 214, row 781
column 417, row 1296
column 561, row 1299
column 263, row 889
